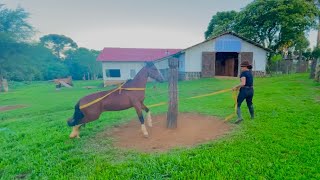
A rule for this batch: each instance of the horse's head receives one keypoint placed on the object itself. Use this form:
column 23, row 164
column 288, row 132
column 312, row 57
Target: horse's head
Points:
column 153, row 72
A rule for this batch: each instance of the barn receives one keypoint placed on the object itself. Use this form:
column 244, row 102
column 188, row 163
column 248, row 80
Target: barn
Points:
column 217, row 56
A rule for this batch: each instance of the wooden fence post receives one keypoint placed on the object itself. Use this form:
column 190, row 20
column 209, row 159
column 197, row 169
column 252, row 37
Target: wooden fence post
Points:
column 5, row 85
column 172, row 114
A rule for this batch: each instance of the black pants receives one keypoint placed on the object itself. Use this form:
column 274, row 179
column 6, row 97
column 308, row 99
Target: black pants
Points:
column 245, row 94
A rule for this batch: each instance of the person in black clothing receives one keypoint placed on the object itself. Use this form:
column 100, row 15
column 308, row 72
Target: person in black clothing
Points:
column 246, row 90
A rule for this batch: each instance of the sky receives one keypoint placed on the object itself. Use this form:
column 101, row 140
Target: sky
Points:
column 96, row 24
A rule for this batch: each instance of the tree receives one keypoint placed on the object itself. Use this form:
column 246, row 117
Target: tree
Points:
column 276, row 24
column 59, row 44
column 313, row 56
column 14, row 29
column 13, row 24
column 31, row 61
column 301, row 45
column 221, row 22
column 82, row 63
column 313, row 72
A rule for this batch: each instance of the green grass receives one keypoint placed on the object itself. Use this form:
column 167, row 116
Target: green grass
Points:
column 283, row 142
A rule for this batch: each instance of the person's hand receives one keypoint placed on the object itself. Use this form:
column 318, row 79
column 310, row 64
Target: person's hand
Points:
column 235, row 88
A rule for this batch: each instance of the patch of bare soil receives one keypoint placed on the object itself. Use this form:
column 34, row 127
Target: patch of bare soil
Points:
column 192, row 129
column 7, row 108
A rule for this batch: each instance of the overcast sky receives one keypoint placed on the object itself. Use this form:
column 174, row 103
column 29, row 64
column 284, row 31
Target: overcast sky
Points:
column 95, row 24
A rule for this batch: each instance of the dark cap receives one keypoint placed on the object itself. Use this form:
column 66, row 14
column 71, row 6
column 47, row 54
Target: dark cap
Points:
column 245, row 64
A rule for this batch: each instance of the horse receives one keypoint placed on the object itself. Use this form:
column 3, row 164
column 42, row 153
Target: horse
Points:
column 128, row 95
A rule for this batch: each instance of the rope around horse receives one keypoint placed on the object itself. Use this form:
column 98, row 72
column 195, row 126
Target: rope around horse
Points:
column 120, row 88
column 234, row 97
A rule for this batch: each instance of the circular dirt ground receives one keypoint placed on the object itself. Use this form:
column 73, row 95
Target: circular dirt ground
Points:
column 192, row 129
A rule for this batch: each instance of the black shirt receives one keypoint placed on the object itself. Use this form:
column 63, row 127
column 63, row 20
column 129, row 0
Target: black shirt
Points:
column 249, row 78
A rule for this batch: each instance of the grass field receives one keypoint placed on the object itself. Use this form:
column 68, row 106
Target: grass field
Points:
column 283, row 142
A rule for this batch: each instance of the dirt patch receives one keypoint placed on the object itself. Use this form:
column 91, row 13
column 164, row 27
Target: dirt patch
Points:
column 192, row 129
column 7, row 108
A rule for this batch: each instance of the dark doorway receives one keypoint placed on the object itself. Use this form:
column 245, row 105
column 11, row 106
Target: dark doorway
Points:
column 227, row 64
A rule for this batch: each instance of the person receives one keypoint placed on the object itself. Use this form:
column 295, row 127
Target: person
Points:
column 246, row 90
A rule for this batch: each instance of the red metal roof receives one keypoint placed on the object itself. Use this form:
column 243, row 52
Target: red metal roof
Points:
column 134, row 54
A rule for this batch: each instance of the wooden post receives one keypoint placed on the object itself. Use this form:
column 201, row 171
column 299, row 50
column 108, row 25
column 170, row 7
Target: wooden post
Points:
column 5, row 85
column 0, row 83
column 239, row 62
column 172, row 114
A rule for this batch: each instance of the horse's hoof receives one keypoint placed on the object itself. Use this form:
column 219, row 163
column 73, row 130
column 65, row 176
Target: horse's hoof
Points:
column 144, row 130
column 146, row 136
column 72, row 136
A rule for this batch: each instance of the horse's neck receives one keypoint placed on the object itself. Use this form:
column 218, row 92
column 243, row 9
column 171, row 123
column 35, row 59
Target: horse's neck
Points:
column 140, row 80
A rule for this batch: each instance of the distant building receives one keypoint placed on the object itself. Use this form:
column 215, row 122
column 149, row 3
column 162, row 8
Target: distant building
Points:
column 217, row 56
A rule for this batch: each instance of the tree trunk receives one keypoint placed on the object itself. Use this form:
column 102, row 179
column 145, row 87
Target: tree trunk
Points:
column 172, row 115
column 313, row 69
column 317, row 73
column 317, row 63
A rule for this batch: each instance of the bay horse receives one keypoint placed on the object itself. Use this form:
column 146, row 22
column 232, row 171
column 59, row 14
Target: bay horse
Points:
column 128, row 95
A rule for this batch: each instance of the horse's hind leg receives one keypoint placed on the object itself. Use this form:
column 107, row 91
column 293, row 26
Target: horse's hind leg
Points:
column 149, row 119
column 138, row 108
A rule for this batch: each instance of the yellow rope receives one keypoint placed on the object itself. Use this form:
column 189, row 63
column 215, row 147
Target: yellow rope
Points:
column 234, row 97
column 194, row 97
column 134, row 89
column 119, row 88
column 210, row 94
column 156, row 105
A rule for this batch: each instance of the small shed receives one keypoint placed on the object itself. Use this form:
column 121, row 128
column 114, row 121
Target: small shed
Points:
column 221, row 56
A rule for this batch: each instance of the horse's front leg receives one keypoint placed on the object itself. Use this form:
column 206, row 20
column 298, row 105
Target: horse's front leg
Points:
column 138, row 107
column 75, row 132
column 149, row 119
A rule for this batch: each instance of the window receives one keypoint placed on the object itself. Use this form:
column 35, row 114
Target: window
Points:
column 113, row 73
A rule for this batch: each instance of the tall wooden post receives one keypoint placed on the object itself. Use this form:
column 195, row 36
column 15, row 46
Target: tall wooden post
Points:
column 172, row 114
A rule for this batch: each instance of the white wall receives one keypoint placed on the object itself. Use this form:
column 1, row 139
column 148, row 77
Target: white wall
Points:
column 193, row 56
column 162, row 64
column 259, row 56
column 124, row 67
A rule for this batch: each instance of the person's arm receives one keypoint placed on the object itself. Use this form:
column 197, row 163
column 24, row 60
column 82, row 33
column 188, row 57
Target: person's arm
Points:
column 242, row 83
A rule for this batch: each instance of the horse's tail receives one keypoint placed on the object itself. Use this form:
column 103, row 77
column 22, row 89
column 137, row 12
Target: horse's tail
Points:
column 77, row 116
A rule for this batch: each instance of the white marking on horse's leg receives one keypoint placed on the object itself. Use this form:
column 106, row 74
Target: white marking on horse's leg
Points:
column 144, row 130
column 149, row 119
column 75, row 132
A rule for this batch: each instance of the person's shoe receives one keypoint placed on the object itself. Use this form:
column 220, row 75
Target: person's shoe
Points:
column 238, row 121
